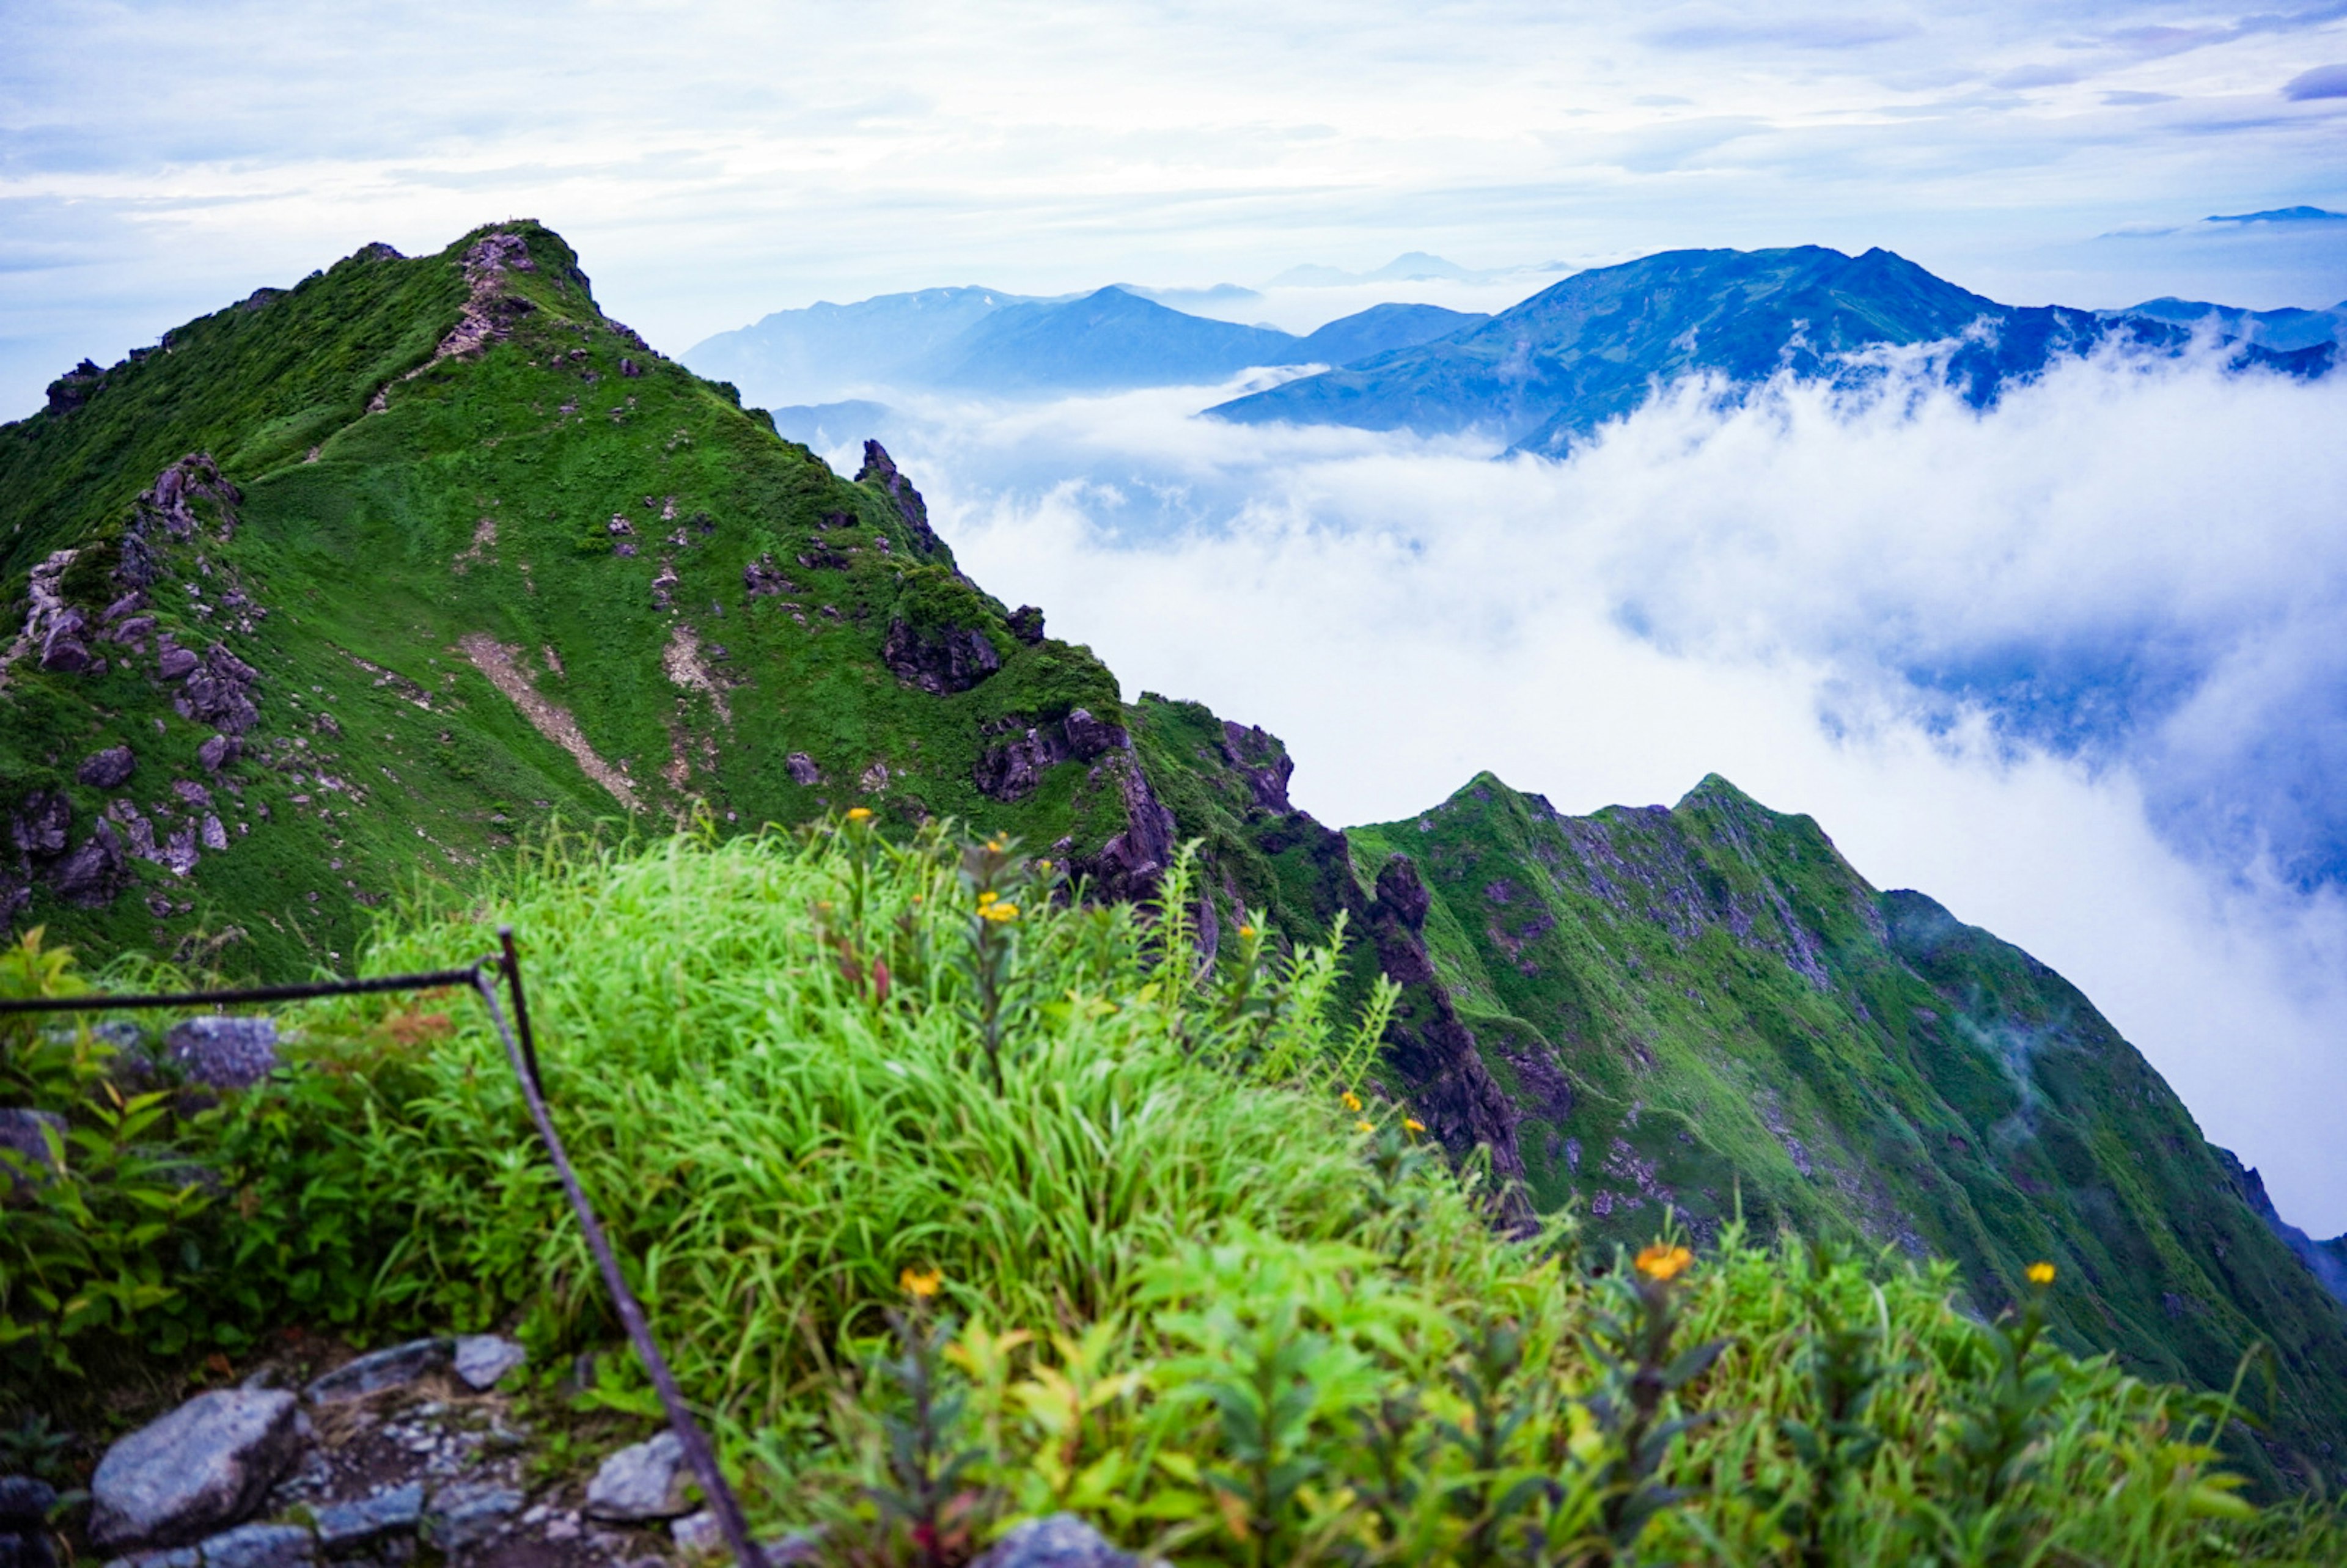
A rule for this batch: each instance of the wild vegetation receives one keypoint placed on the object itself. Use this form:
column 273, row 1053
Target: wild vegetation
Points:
column 956, row 1200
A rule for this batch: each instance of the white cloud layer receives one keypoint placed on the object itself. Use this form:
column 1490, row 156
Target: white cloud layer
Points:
column 1755, row 593
column 714, row 161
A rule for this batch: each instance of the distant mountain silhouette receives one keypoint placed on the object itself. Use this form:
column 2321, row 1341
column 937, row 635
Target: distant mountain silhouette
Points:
column 1546, row 373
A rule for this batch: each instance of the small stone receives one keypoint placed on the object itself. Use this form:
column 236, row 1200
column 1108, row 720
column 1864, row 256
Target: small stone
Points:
column 25, row 1502
column 465, row 1516
column 643, row 1482
column 1061, row 1541
column 108, row 769
column 221, row 750
column 207, row 1464
column 372, row 1373
column 385, row 1513
column 260, row 1547
column 42, row 823
column 698, row 1534
column 483, row 1360
column 225, row 1052
column 176, row 664
column 802, row 769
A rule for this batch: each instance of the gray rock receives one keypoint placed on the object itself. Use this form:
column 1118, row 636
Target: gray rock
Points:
column 220, row 750
column 92, row 875
column 802, row 769
column 387, row 1512
column 177, row 1557
column 23, row 1134
column 465, row 1516
column 225, row 1052
column 42, row 822
column 483, row 1360
column 108, row 769
column 25, row 1502
column 207, row 1464
column 643, row 1482
column 26, row 1549
column 372, row 1374
column 176, row 664
column 259, row 1546
column 698, row 1534
column 1061, row 1541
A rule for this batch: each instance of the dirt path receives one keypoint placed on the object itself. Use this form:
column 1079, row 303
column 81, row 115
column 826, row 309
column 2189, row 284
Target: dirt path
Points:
column 499, row 664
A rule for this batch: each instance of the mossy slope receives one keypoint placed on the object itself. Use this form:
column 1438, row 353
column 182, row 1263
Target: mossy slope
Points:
column 481, row 548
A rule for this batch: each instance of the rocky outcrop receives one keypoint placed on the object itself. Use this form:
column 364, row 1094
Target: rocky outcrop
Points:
column 939, row 659
column 1127, row 866
column 75, row 388
column 43, row 819
column 2326, row 1260
column 1454, row 1093
column 1027, row 624
column 1259, row 757
column 93, row 873
column 218, row 692
column 108, row 769
column 210, row 1463
column 168, row 505
column 879, row 470
column 1011, row 769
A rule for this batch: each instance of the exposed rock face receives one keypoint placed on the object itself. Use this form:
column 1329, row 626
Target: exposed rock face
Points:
column 108, row 769
column 207, row 1464
column 1011, row 771
column 1455, row 1094
column 1129, row 864
column 1027, row 624
column 218, row 692
column 762, row 578
column 92, row 875
column 41, row 823
column 1258, row 756
column 880, row 469
column 2326, row 1260
column 76, row 387
column 939, row 660
column 225, row 1052
column 168, row 504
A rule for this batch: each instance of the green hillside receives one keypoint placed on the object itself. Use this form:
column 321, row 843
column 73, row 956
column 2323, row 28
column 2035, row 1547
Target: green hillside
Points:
column 344, row 593
column 450, row 553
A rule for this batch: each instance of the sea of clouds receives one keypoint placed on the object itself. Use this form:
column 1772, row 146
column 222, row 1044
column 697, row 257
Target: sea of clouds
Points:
column 2071, row 665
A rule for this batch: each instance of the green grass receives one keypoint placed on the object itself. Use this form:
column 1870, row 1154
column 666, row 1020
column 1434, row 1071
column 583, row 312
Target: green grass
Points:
column 1179, row 1290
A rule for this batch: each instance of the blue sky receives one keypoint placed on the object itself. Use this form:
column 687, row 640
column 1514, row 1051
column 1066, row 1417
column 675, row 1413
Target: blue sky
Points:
column 715, row 162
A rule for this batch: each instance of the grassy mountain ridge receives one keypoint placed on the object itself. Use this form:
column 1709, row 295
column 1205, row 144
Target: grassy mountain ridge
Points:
column 356, row 585
column 472, row 558
column 1705, row 1011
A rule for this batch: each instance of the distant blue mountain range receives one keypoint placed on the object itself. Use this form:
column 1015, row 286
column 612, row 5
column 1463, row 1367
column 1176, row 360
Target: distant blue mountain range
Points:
column 1538, row 377
column 995, row 344
column 1546, row 373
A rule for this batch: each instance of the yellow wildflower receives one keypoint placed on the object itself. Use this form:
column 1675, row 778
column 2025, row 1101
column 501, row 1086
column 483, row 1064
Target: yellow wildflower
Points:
column 1042, row 865
column 1247, row 932
column 2041, row 1273
column 1352, row 1101
column 1363, row 1127
column 858, row 813
column 1661, row 1263
column 1000, row 912
column 922, row 1283
column 989, row 896
column 1413, row 1125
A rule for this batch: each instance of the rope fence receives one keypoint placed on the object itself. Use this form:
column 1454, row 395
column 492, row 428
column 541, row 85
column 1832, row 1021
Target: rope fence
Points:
column 521, row 1055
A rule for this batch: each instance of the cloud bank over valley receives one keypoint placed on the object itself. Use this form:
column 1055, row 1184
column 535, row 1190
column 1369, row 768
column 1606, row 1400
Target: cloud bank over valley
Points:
column 2065, row 664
